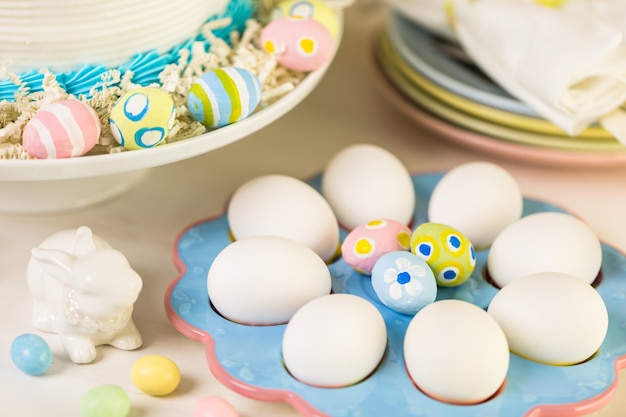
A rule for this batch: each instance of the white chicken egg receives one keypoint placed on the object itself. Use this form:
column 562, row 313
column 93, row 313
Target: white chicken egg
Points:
column 334, row 341
column 478, row 198
column 264, row 280
column 455, row 352
column 545, row 242
column 551, row 318
column 364, row 182
column 279, row 205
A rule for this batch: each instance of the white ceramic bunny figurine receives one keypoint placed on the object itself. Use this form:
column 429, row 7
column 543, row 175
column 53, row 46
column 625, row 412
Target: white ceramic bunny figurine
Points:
column 84, row 291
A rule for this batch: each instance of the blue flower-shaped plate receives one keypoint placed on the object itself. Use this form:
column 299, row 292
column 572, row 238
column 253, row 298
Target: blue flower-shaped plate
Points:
column 247, row 359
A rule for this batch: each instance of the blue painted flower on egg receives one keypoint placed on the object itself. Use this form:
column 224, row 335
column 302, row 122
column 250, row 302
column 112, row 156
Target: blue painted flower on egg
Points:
column 142, row 118
column 404, row 282
column 447, row 251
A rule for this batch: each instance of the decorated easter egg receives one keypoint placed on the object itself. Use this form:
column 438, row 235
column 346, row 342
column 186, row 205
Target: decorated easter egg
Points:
column 142, row 118
column 334, row 341
column 366, row 243
column 223, row 96
column 106, row 400
column 447, row 251
column 455, row 352
column 155, row 375
column 300, row 44
column 404, row 282
column 309, row 9
column 62, row 130
column 31, row 354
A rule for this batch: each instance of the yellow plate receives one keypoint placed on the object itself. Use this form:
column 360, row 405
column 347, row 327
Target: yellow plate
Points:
column 482, row 111
column 451, row 114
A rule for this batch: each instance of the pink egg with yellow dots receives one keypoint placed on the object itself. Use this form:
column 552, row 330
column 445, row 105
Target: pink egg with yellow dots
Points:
column 301, row 44
column 366, row 243
column 63, row 129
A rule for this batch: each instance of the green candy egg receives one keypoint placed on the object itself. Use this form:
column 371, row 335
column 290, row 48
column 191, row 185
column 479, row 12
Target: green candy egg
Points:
column 105, row 401
column 448, row 252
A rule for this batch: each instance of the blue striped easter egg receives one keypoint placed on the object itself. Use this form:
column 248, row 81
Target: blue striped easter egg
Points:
column 223, row 96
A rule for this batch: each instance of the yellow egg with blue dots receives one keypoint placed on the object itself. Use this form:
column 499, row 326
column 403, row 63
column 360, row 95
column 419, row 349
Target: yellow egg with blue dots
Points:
column 309, row 9
column 223, row 96
column 448, row 252
column 142, row 118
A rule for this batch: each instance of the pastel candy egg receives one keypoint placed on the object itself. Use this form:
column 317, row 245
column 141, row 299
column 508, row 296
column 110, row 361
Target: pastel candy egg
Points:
column 62, row 130
column 155, row 375
column 214, row 407
column 31, row 354
column 447, row 251
column 300, row 44
column 404, row 282
column 223, row 96
column 106, row 400
column 309, row 9
column 142, row 118
column 366, row 243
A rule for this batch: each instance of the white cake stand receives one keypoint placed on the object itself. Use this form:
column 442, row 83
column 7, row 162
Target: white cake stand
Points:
column 44, row 186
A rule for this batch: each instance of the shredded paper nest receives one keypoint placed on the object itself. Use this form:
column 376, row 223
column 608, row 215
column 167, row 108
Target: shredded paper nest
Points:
column 243, row 51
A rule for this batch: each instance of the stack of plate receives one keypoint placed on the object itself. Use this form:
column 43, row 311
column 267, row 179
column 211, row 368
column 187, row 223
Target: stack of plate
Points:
column 431, row 80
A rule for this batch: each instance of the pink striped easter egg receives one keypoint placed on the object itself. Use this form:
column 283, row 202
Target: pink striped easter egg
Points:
column 62, row 130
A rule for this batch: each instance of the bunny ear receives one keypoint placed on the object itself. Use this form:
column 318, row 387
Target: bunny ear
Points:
column 83, row 242
column 56, row 263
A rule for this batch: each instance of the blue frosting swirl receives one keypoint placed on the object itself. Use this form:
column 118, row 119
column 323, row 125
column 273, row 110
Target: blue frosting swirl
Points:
column 146, row 66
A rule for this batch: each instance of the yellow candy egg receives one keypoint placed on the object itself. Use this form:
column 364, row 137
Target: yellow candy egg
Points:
column 142, row 118
column 155, row 375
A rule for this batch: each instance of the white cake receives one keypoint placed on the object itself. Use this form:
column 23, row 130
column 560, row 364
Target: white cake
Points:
column 64, row 34
column 78, row 40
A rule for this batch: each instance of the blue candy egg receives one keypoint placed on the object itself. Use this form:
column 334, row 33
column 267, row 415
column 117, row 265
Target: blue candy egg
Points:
column 404, row 282
column 106, row 400
column 31, row 354
column 223, row 96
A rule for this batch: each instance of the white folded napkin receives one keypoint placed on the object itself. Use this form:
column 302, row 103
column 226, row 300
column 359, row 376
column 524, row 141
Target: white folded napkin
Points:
column 568, row 63
column 571, row 69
